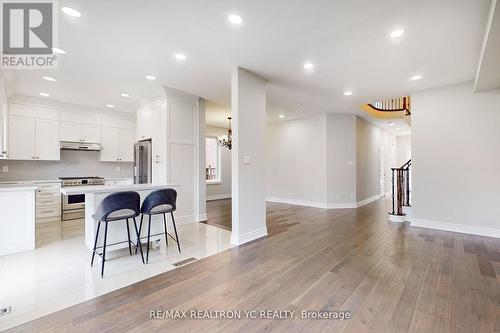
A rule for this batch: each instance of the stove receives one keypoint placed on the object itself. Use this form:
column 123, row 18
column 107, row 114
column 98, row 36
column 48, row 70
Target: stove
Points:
column 73, row 205
column 81, row 181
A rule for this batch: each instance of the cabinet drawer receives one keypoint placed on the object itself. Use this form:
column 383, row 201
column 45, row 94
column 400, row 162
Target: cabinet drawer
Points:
column 48, row 186
column 48, row 211
column 46, row 195
column 48, row 201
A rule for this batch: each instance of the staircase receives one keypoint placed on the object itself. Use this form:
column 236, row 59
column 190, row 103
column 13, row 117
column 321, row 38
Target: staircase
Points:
column 401, row 194
column 393, row 108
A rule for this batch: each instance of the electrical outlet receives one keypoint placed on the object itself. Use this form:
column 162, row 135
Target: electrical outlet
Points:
column 5, row 168
column 118, row 169
column 5, row 311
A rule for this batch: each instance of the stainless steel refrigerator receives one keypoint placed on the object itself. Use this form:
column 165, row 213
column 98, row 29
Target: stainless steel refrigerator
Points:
column 142, row 162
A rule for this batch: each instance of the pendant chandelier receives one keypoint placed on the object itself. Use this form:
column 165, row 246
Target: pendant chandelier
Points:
column 226, row 140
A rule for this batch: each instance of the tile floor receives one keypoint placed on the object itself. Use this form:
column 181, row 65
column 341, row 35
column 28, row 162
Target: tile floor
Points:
column 58, row 274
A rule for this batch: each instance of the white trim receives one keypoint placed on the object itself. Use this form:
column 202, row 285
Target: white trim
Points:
column 314, row 204
column 461, row 228
column 202, row 217
column 248, row 237
column 367, row 201
column 218, row 197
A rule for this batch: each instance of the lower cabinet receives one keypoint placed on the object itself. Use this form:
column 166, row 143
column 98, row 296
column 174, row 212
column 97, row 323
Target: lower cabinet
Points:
column 48, row 202
column 117, row 144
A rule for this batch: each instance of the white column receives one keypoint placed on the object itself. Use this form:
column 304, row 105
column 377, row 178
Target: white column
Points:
column 202, row 183
column 248, row 108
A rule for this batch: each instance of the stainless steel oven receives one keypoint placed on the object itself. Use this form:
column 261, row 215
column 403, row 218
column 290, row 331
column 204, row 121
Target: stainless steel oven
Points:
column 73, row 205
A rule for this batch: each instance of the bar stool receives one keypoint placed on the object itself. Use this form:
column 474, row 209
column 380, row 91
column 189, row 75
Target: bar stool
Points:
column 115, row 207
column 156, row 203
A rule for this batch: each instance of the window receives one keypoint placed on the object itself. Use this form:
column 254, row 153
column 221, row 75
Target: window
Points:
column 212, row 166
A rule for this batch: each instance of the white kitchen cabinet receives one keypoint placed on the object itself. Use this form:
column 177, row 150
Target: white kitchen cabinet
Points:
column 144, row 124
column 117, row 144
column 126, row 145
column 109, row 152
column 78, row 132
column 21, row 140
column 47, row 140
column 71, row 131
column 33, row 139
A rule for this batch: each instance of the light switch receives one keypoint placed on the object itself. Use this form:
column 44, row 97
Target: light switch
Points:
column 246, row 160
column 118, row 169
column 350, row 163
column 5, row 168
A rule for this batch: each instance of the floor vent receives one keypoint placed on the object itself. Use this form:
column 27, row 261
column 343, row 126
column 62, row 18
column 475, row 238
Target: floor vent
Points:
column 183, row 262
column 5, row 311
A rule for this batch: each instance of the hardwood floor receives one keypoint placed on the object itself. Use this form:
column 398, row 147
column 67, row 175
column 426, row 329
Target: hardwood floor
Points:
column 219, row 213
column 391, row 277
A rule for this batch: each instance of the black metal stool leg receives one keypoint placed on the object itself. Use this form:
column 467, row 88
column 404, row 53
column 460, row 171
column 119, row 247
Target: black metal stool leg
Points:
column 149, row 236
column 165, row 226
column 139, row 234
column 104, row 248
column 95, row 244
column 128, row 235
column 176, row 235
column 138, row 241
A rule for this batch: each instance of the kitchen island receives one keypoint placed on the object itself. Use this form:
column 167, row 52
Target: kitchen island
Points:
column 117, row 230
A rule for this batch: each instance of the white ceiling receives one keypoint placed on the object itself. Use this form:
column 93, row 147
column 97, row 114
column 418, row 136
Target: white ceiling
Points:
column 117, row 42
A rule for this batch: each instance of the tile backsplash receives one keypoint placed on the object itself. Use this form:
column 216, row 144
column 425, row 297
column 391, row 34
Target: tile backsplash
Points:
column 72, row 164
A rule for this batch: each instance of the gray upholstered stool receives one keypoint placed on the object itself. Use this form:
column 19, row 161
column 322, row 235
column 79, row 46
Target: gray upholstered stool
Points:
column 115, row 207
column 160, row 202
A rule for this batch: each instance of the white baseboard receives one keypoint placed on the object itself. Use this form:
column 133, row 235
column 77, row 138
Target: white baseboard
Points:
column 202, row 217
column 314, row 204
column 219, row 197
column 367, row 201
column 248, row 237
column 461, row 228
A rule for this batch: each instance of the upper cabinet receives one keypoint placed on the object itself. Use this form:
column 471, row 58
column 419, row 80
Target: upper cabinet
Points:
column 33, row 133
column 144, row 124
column 118, row 139
column 80, row 127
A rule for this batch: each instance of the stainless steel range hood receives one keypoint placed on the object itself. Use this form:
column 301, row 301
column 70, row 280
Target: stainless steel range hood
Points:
column 81, row 146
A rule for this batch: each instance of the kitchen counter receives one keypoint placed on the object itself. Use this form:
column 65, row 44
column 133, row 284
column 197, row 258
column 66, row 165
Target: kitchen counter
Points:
column 112, row 188
column 17, row 223
column 17, row 187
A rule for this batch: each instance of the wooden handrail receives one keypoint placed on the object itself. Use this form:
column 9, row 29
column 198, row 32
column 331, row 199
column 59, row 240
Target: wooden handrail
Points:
column 401, row 188
column 393, row 105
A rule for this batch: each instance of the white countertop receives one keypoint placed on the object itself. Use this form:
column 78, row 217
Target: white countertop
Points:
column 17, row 187
column 112, row 188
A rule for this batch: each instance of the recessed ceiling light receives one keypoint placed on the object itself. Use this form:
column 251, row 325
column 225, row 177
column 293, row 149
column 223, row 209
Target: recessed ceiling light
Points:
column 348, row 93
column 281, row 116
column 111, row 106
column 308, row 65
column 150, row 77
column 44, row 94
column 391, row 124
column 398, row 129
column 126, row 95
column 49, row 78
column 180, row 56
column 397, row 33
column 416, row 77
column 57, row 50
column 71, row 12
column 235, row 19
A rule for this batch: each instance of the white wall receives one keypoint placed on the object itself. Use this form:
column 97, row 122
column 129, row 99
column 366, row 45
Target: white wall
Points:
column 223, row 189
column 248, row 109
column 341, row 161
column 456, row 160
column 368, row 141
column 296, row 161
column 403, row 149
